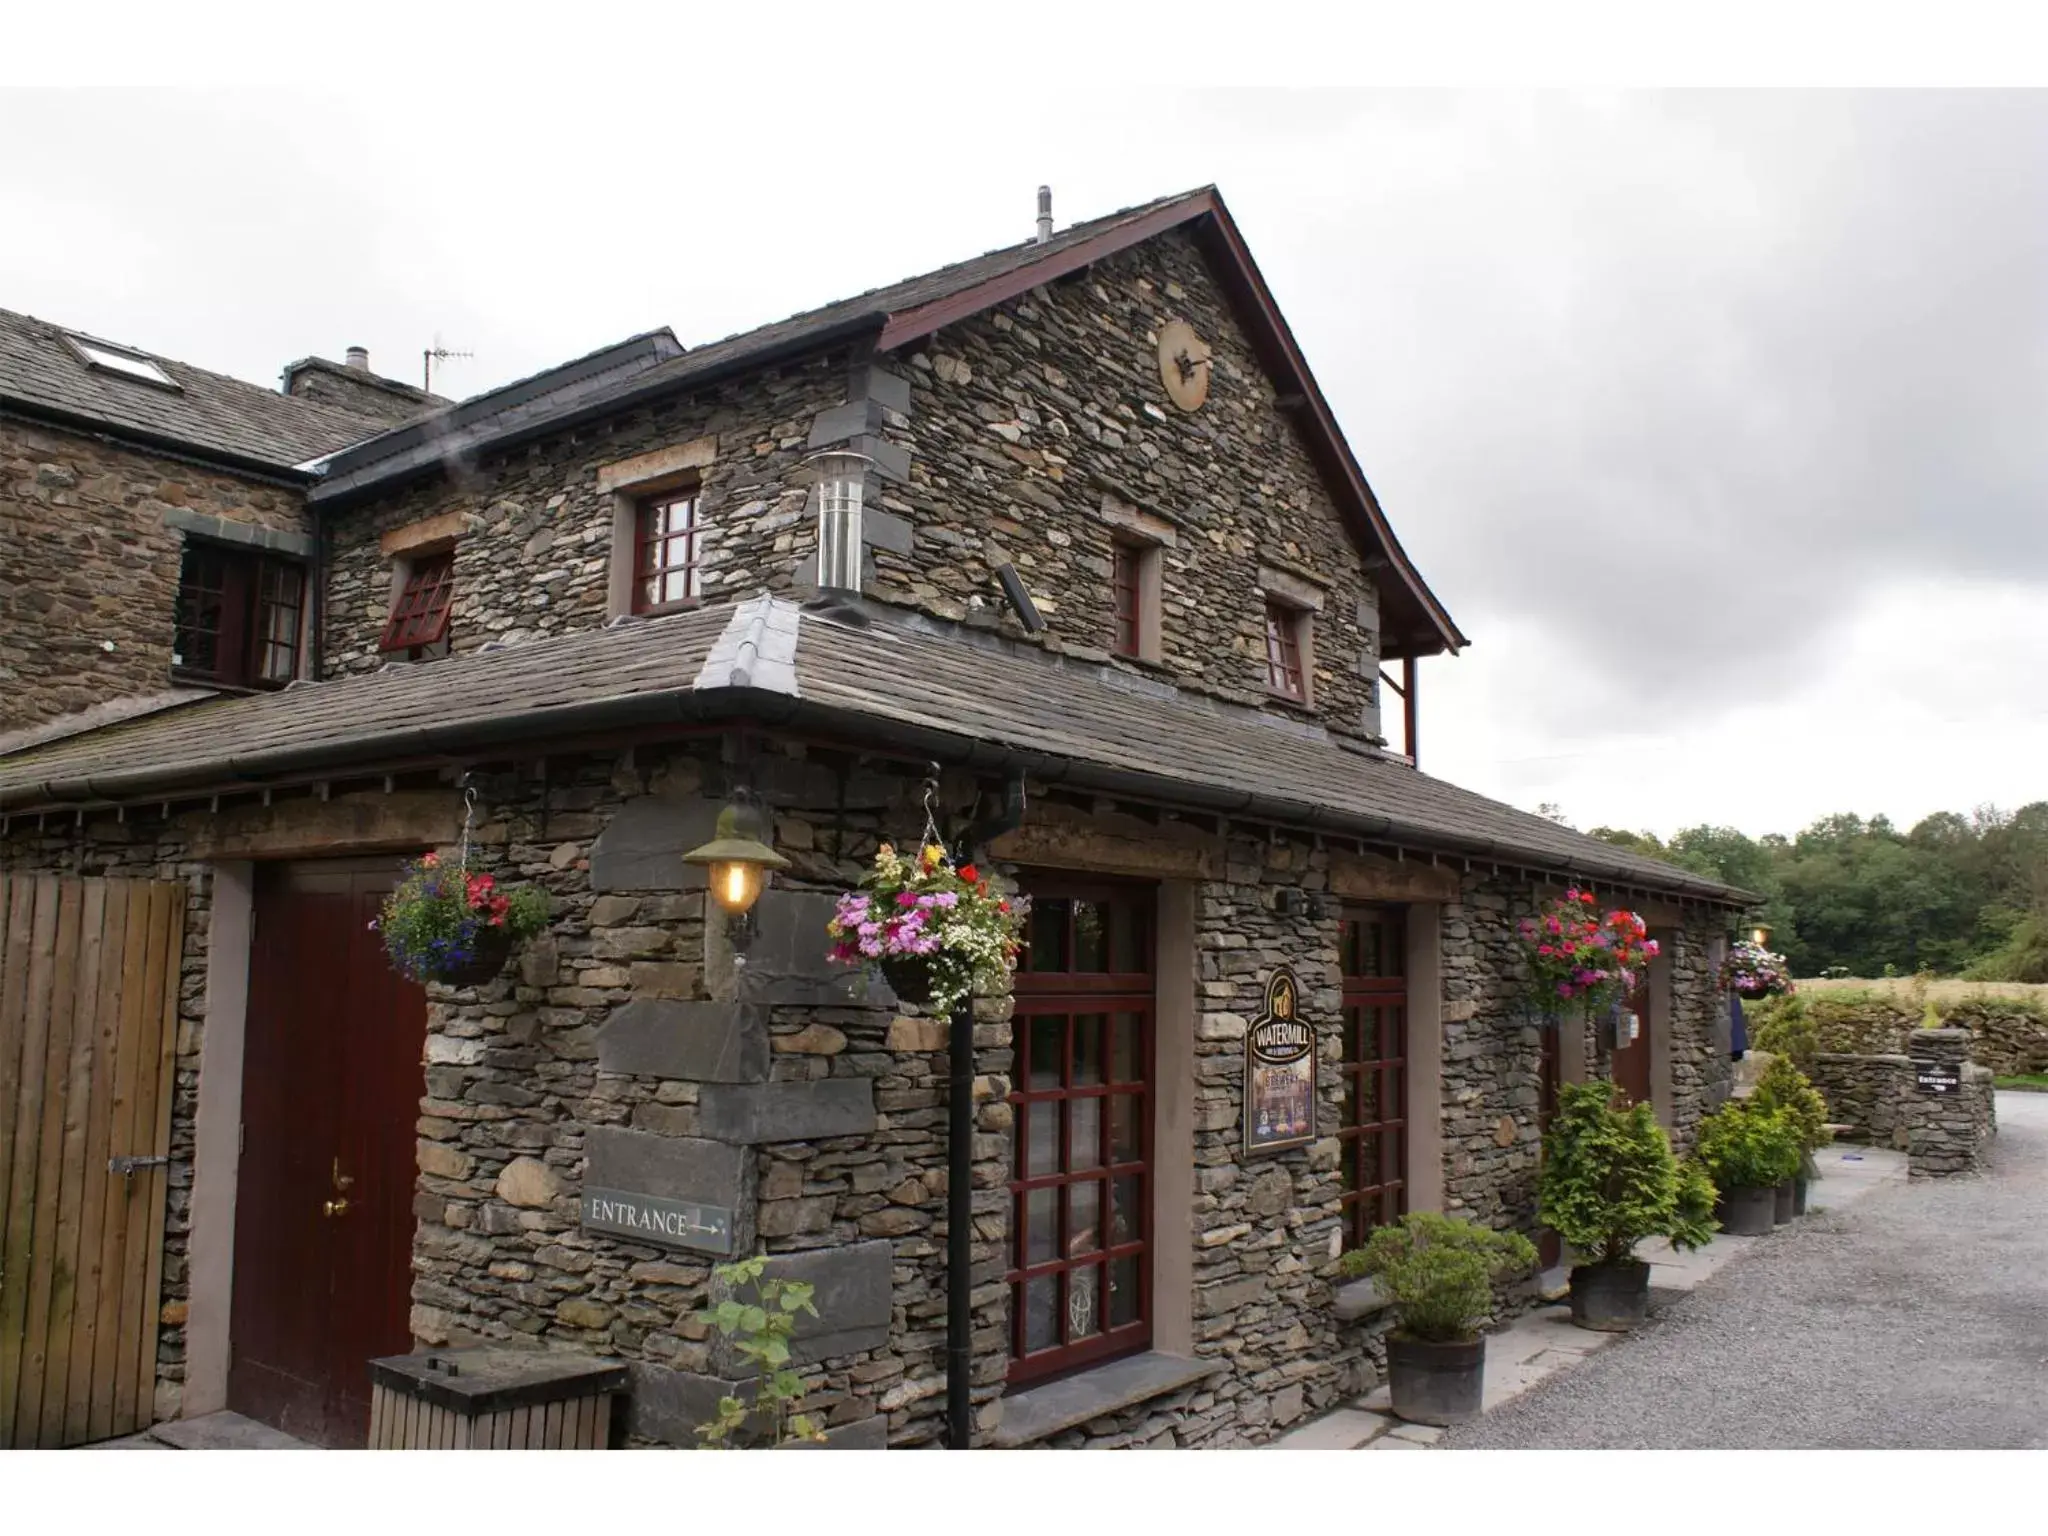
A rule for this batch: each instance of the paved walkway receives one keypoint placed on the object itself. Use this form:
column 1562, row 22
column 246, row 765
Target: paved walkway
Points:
column 1543, row 1343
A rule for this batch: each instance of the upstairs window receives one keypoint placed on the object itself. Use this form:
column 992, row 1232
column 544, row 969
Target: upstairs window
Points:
column 1285, row 636
column 108, row 358
column 1130, row 613
column 238, row 618
column 668, row 551
column 419, row 618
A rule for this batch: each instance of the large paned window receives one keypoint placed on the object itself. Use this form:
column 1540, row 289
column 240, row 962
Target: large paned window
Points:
column 668, row 550
column 238, row 617
column 1373, row 947
column 1080, row 1268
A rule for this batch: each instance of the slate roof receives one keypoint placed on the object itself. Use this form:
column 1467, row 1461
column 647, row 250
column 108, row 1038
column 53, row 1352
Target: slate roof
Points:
column 209, row 413
column 464, row 429
column 913, row 686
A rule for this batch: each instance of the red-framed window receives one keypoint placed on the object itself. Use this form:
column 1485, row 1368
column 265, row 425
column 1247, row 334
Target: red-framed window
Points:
column 1125, row 567
column 1373, row 954
column 238, row 617
column 668, row 548
column 420, row 617
column 1081, row 1263
column 1283, row 651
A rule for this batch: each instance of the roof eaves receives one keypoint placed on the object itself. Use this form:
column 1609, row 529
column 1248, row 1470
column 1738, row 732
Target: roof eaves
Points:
column 165, row 444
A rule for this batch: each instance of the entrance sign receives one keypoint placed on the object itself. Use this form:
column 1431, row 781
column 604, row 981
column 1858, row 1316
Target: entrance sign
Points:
column 1937, row 1077
column 1279, row 1072
column 652, row 1219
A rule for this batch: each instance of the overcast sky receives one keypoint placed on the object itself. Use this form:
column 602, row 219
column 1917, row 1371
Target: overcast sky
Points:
column 1717, row 420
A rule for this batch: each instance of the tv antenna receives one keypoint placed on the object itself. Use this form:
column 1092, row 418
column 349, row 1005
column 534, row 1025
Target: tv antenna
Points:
column 432, row 355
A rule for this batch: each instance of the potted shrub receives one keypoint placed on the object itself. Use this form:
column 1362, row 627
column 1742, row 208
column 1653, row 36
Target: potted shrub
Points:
column 1609, row 1181
column 1782, row 1086
column 1748, row 1151
column 441, row 923
column 934, row 932
column 1438, row 1272
column 1754, row 972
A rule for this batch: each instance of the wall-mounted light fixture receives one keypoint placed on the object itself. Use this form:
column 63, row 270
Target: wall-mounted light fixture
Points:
column 737, row 861
column 1292, row 901
column 840, row 478
column 1760, row 935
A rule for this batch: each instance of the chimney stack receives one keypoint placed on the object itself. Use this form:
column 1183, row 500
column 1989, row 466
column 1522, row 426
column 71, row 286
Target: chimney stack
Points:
column 1044, row 214
column 359, row 359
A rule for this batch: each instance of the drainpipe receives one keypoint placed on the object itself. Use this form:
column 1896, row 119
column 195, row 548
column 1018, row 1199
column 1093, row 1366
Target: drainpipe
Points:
column 959, row 1228
column 960, row 1169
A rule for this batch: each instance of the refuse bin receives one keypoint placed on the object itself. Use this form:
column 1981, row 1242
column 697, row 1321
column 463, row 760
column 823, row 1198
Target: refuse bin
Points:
column 493, row 1400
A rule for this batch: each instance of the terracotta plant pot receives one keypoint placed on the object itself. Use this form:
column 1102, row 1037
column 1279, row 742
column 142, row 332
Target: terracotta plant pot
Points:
column 909, row 977
column 1610, row 1298
column 1783, row 1199
column 1433, row 1383
column 1748, row 1212
column 493, row 949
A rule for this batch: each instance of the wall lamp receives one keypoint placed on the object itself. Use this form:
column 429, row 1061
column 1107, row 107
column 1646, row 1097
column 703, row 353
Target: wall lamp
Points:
column 738, row 861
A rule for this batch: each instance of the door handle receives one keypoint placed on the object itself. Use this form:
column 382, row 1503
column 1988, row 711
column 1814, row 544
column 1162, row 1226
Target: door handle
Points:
column 335, row 1207
column 342, row 1181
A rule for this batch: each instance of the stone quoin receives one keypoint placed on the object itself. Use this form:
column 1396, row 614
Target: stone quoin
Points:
column 1183, row 759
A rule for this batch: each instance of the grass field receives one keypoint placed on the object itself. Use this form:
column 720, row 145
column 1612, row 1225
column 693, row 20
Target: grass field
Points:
column 1943, row 991
column 2032, row 1082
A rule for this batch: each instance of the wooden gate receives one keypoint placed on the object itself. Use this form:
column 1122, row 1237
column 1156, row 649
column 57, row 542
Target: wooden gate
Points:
column 88, row 1036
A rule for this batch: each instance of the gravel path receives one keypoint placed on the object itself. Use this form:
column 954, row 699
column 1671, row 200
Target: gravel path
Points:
column 1917, row 1318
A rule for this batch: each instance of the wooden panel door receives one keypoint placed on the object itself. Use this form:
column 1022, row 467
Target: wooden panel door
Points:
column 331, row 1084
column 1631, row 1065
column 88, row 1035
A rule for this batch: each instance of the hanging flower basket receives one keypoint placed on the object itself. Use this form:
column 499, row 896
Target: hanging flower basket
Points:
column 444, row 924
column 935, row 932
column 1580, row 958
column 909, row 977
column 1754, row 972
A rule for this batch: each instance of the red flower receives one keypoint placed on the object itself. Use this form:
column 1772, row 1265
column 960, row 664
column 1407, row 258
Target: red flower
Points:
column 430, row 860
column 969, row 873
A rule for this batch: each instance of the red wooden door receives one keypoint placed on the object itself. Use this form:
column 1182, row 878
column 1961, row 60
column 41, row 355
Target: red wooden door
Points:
column 1632, row 1061
column 331, row 1084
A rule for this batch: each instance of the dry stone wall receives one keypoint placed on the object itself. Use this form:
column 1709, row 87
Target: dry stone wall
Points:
column 90, row 559
column 1872, row 1095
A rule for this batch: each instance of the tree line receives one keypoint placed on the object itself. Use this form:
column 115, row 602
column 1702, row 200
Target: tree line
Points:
column 1955, row 895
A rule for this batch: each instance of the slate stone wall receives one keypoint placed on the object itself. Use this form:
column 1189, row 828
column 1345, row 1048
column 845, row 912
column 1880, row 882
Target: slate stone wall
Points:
column 1872, row 1095
column 624, row 1050
column 1000, row 439
column 1026, row 418
column 535, row 555
column 89, row 564
column 1949, row 1133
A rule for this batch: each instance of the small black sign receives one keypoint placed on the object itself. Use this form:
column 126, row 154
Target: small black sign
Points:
column 1937, row 1077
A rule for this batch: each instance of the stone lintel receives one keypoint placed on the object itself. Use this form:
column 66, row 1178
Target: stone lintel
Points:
column 1113, row 845
column 1292, row 584
column 225, row 530
column 1373, row 877
column 644, row 469
column 1137, row 522
column 362, row 822
column 427, row 534
column 690, row 1041
column 753, row 1113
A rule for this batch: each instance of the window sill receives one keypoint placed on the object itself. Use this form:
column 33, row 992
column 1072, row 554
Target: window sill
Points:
column 663, row 610
column 1039, row 1413
column 1290, row 701
column 1361, row 1300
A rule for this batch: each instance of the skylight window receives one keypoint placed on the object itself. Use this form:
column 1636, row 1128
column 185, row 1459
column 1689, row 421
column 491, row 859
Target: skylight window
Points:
column 112, row 359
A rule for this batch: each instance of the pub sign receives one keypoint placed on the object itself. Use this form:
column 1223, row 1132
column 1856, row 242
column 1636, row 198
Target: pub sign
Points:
column 1279, row 1071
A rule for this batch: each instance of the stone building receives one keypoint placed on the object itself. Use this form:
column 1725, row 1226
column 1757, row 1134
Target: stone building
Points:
column 1089, row 576
column 154, row 532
